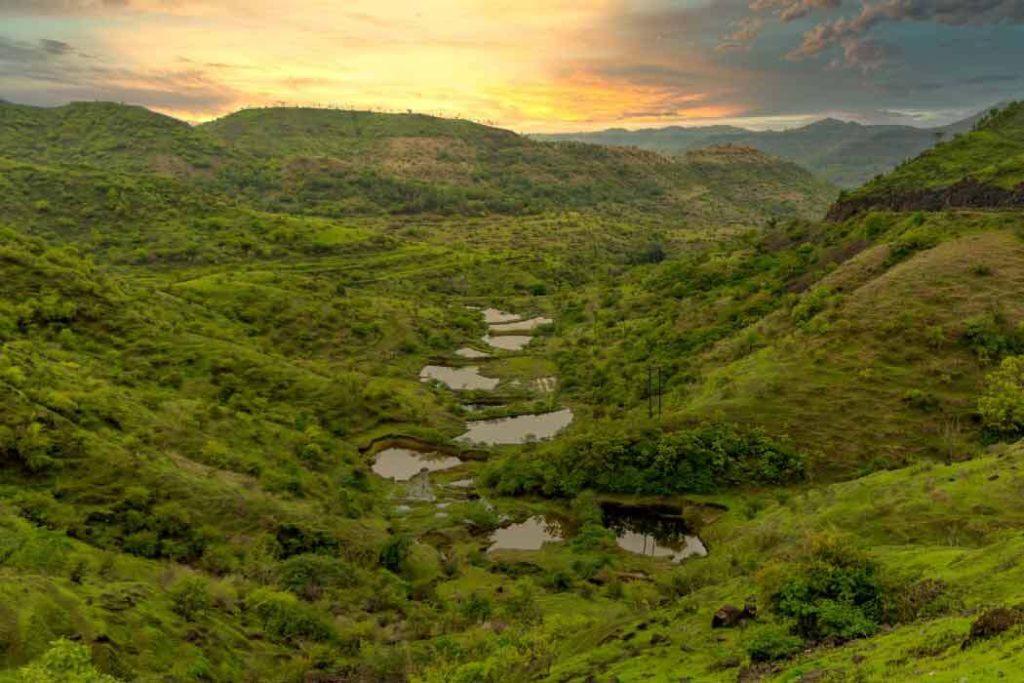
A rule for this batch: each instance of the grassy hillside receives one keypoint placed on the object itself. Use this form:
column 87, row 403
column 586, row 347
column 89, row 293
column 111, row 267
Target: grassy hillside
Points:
column 844, row 153
column 978, row 169
column 107, row 135
column 344, row 163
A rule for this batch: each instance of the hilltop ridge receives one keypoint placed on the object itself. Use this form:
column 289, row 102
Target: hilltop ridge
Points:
column 846, row 153
column 340, row 163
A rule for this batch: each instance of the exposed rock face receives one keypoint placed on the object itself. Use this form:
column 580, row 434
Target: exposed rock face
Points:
column 966, row 194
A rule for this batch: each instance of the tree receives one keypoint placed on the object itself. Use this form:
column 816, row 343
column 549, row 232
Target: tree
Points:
column 1001, row 405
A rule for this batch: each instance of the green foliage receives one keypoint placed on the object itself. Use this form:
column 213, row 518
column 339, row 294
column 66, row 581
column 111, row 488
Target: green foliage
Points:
column 64, row 662
column 773, row 644
column 697, row 460
column 190, row 597
column 394, row 553
column 1001, row 404
column 990, row 336
column 837, row 594
column 283, row 617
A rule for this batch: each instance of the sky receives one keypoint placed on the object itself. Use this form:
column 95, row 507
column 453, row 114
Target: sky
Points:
column 528, row 65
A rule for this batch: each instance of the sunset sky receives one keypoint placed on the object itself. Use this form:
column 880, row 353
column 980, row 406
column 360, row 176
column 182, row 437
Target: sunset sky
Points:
column 529, row 65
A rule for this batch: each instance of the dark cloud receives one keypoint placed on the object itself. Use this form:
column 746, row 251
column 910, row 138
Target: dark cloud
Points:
column 55, row 47
column 743, row 34
column 791, row 10
column 54, row 72
column 59, row 7
column 849, row 33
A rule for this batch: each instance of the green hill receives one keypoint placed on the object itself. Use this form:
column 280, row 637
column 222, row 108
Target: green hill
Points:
column 107, row 135
column 844, row 153
column 343, row 163
column 979, row 169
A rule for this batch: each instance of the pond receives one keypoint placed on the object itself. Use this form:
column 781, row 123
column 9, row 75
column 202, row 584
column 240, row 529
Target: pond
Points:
column 469, row 352
column 521, row 325
column 517, row 429
column 528, row 535
column 652, row 530
column 492, row 316
column 459, row 379
column 402, row 464
column 508, row 342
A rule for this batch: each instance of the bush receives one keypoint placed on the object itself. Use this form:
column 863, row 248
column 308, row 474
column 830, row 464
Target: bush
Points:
column 190, row 598
column 773, row 645
column 283, row 617
column 1001, row 405
column 394, row 553
column 837, row 594
column 64, row 662
column 308, row 575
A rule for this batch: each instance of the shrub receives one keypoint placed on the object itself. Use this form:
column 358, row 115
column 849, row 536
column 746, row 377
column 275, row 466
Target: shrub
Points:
column 1001, row 404
column 995, row 621
column 990, row 337
column 394, row 553
column 66, row 662
column 837, row 593
column 190, row 598
column 283, row 617
column 772, row 645
column 308, row 575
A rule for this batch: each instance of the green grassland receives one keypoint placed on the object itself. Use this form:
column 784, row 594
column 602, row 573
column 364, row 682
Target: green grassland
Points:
column 198, row 358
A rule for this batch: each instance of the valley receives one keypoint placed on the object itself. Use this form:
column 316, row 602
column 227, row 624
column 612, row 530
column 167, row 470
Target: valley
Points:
column 323, row 395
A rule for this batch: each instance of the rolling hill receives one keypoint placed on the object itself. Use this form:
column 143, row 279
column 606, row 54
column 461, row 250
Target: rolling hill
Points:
column 845, row 153
column 339, row 163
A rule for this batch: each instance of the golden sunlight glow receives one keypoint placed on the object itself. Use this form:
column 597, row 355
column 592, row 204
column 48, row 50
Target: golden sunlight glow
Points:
column 501, row 61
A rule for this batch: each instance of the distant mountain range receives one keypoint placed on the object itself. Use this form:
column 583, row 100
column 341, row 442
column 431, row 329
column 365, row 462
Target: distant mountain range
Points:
column 845, row 153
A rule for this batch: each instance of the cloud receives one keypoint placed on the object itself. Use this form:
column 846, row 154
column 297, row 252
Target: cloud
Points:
column 51, row 71
column 59, row 7
column 849, row 33
column 743, row 34
column 55, row 47
column 791, row 10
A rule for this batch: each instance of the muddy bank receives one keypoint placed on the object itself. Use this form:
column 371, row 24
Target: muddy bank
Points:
column 415, row 444
column 966, row 194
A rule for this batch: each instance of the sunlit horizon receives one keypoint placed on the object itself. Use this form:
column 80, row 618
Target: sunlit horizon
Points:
column 557, row 66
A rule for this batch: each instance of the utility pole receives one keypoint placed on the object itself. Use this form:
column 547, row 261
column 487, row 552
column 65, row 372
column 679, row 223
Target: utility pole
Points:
column 661, row 392
column 650, row 393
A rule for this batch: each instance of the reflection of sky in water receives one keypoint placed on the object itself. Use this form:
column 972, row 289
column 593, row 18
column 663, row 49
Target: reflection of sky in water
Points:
column 508, row 342
column 467, row 352
column 522, row 325
column 492, row 316
column 459, row 378
column 654, row 530
column 528, row 535
column 402, row 464
column 517, row 429
column 646, row 544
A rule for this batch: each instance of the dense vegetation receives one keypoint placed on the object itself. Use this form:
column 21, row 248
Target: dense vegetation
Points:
column 206, row 333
